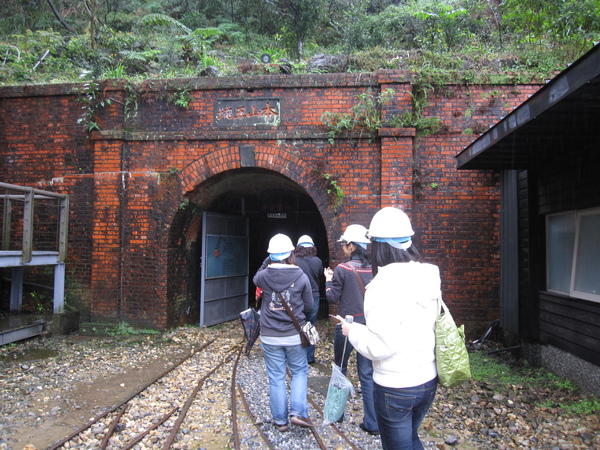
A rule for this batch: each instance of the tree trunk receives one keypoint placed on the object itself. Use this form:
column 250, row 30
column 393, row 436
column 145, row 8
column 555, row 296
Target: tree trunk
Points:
column 300, row 48
column 60, row 18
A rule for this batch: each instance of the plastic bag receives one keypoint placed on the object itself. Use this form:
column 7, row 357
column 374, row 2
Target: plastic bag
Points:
column 339, row 389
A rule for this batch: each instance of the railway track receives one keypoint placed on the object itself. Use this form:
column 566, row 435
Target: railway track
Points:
column 173, row 411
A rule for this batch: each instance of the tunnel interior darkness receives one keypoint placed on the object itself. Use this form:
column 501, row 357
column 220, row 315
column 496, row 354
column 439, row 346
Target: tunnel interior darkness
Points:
column 273, row 204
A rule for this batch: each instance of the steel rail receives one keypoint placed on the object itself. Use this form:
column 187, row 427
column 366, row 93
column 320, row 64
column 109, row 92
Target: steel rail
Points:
column 257, row 424
column 236, row 435
column 333, row 425
column 128, row 399
column 182, row 413
column 313, row 428
column 112, row 428
column 154, row 426
column 318, row 438
column 191, row 397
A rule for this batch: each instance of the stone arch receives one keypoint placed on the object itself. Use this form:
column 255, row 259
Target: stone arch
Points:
column 275, row 158
column 202, row 182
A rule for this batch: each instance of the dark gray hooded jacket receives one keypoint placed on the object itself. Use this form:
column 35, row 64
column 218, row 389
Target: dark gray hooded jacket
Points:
column 295, row 287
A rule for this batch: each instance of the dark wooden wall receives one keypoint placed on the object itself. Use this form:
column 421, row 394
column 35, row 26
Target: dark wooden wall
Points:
column 559, row 185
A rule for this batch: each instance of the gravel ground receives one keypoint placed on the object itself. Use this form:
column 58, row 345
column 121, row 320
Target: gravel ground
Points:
column 51, row 386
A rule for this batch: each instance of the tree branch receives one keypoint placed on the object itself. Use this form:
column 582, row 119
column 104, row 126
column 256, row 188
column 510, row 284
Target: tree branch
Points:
column 59, row 17
column 279, row 9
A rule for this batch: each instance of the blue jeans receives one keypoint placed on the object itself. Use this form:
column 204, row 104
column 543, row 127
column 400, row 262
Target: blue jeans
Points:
column 400, row 412
column 276, row 357
column 364, row 367
column 312, row 318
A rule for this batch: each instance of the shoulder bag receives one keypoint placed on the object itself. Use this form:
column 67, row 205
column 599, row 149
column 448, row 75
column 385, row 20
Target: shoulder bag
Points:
column 451, row 356
column 359, row 279
column 308, row 333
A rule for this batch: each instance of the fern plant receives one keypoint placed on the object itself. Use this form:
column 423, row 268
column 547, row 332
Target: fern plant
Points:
column 115, row 72
column 181, row 98
column 193, row 41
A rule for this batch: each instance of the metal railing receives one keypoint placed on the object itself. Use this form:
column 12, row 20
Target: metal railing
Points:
column 34, row 233
column 25, row 220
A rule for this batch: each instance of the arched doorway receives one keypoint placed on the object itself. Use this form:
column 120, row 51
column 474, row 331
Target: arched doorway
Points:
column 271, row 202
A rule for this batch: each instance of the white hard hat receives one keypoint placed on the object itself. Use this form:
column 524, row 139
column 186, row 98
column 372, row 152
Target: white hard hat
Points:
column 355, row 233
column 306, row 241
column 390, row 222
column 280, row 243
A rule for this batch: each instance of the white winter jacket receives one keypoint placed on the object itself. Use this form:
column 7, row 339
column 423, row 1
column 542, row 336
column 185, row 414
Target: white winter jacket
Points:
column 399, row 337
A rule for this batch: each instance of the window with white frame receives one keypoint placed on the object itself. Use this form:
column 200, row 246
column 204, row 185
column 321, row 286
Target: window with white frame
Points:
column 573, row 253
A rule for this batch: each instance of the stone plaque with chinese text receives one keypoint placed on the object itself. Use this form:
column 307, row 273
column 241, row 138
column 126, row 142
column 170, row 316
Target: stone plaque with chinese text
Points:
column 239, row 112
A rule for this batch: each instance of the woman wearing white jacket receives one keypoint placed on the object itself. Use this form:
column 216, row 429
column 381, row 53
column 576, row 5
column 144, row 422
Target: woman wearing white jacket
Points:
column 399, row 335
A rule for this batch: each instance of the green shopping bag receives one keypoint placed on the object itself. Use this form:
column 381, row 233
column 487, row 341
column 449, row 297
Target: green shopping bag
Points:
column 451, row 356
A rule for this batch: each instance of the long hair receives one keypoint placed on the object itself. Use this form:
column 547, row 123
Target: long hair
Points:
column 305, row 252
column 363, row 255
column 384, row 254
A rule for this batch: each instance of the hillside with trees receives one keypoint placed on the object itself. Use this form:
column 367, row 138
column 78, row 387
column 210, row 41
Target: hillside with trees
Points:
column 497, row 41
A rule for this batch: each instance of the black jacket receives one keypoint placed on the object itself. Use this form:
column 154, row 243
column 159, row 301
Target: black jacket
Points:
column 313, row 267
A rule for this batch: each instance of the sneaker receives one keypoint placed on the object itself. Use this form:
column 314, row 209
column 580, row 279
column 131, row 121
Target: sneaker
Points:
column 372, row 433
column 282, row 428
column 303, row 422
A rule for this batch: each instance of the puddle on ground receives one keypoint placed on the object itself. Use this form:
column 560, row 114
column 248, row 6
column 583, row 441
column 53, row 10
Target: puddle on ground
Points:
column 35, row 354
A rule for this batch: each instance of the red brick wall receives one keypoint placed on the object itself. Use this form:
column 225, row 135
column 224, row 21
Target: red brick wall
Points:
column 458, row 215
column 132, row 249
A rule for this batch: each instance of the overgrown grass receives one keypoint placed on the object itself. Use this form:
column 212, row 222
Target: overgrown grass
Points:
column 46, row 57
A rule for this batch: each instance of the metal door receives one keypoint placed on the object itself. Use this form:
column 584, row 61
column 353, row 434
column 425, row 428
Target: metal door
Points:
column 224, row 268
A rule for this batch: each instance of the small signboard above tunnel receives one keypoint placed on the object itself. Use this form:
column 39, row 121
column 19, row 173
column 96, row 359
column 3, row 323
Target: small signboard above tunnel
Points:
column 243, row 112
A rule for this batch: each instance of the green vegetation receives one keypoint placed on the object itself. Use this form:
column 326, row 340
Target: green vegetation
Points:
column 120, row 329
column 366, row 115
column 436, row 41
column 415, row 118
column 335, row 190
column 491, row 370
column 494, row 372
column 124, row 329
column 181, row 98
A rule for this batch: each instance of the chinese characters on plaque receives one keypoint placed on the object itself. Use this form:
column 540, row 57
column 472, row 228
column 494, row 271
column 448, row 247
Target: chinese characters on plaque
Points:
column 232, row 112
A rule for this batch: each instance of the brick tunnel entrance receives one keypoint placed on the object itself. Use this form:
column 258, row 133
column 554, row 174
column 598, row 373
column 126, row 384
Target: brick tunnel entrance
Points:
column 272, row 203
column 138, row 186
